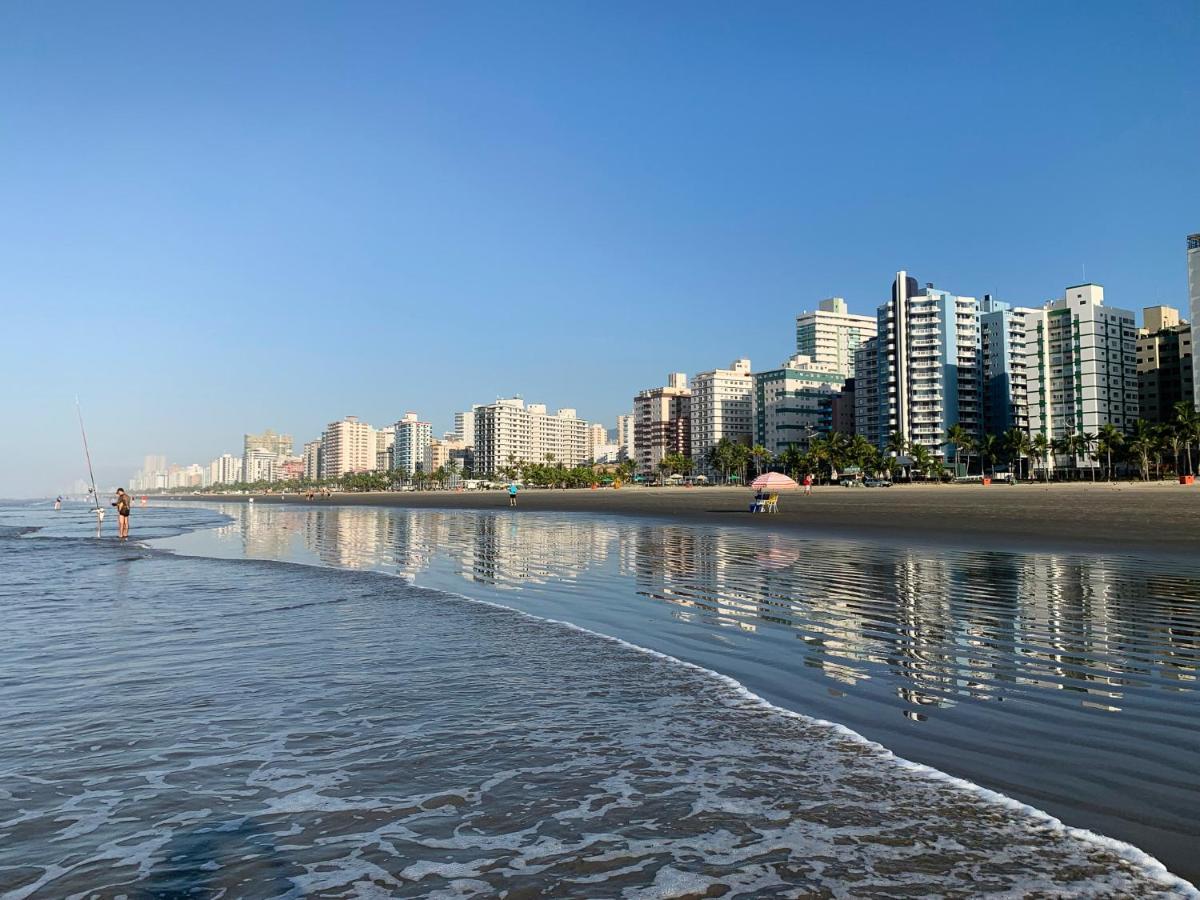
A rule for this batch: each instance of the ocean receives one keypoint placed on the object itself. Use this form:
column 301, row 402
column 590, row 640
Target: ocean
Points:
column 289, row 701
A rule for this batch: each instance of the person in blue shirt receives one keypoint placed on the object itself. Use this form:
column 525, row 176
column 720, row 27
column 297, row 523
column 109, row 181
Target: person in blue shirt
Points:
column 512, row 494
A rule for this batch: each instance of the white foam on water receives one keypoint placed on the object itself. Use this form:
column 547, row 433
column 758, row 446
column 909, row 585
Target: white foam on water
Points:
column 1148, row 865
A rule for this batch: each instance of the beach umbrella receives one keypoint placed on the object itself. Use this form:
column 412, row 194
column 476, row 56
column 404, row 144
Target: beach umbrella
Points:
column 774, row 481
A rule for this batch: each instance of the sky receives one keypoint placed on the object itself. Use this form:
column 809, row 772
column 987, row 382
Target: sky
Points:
column 223, row 217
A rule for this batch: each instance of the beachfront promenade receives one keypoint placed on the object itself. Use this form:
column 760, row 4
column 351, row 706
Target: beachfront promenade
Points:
column 1156, row 517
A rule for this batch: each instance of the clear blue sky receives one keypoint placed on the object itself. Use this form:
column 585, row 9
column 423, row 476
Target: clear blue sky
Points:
column 226, row 217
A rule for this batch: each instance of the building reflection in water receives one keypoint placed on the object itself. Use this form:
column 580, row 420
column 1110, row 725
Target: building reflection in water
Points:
column 940, row 627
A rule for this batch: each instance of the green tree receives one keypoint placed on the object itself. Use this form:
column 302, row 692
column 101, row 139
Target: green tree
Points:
column 989, row 451
column 957, row 435
column 1142, row 443
column 1039, row 449
column 1187, row 423
column 1109, row 440
column 1018, row 446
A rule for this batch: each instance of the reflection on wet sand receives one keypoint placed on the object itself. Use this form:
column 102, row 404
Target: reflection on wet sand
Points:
column 946, row 627
column 1067, row 681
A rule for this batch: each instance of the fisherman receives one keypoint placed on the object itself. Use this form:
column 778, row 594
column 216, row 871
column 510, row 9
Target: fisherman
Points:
column 123, row 505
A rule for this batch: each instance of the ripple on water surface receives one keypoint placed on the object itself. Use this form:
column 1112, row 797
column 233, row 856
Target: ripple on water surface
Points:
column 244, row 728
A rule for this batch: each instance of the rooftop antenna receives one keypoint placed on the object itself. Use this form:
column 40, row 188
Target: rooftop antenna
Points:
column 87, row 454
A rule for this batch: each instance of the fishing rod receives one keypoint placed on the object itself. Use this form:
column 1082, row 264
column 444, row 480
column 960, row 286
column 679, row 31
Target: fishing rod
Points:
column 88, row 456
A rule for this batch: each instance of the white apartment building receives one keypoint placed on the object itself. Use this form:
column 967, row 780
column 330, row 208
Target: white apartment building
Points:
column 1193, row 257
column 312, row 460
column 625, row 435
column 928, row 364
column 384, row 439
column 794, row 403
column 597, row 440
column 509, row 430
column 225, row 469
column 662, row 423
column 347, row 446
column 830, row 335
column 411, row 452
column 277, row 445
column 1080, row 365
column 259, row 465
column 464, row 425
column 722, row 406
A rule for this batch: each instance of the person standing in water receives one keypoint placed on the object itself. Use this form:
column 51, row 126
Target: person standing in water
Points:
column 123, row 505
column 58, row 502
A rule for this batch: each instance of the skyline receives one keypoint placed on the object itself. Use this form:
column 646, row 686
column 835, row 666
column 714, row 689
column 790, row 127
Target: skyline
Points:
column 304, row 218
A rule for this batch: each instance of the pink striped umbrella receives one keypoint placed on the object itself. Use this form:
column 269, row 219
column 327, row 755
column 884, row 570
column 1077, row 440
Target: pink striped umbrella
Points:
column 773, row 481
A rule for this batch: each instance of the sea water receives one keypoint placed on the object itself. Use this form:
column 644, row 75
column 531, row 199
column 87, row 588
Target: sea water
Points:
column 178, row 725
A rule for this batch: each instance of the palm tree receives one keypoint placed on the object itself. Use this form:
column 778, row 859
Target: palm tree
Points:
column 960, row 438
column 896, row 445
column 1059, row 447
column 1018, row 446
column 921, row 457
column 1142, row 443
column 1040, row 450
column 792, row 459
column 1109, row 441
column 989, row 451
column 1085, row 442
column 760, row 455
column 1188, row 423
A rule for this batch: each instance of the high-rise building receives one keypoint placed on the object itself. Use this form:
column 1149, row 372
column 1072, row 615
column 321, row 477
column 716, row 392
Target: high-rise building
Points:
column 278, row 446
column 508, row 431
column 1193, row 258
column 843, row 405
column 225, row 469
column 1080, row 365
column 662, row 423
column 1002, row 361
column 259, row 465
column 384, row 439
column 794, row 403
column 1164, row 363
column 411, row 452
column 625, row 435
column 597, row 438
column 831, row 335
column 870, row 417
column 312, row 460
column 464, row 425
column 347, row 446
column 722, row 406
column 929, row 364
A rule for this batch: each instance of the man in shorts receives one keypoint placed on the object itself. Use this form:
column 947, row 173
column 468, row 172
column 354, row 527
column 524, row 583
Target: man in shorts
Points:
column 123, row 505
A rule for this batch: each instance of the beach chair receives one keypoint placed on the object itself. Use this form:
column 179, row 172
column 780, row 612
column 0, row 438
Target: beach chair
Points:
column 758, row 505
column 771, row 504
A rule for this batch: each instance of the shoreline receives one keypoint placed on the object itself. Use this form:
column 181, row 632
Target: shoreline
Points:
column 1156, row 519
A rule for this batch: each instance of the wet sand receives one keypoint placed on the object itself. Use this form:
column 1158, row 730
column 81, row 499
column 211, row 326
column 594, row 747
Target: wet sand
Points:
column 1159, row 518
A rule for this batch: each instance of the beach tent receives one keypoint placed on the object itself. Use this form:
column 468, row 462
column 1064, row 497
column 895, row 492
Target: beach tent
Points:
column 774, row 481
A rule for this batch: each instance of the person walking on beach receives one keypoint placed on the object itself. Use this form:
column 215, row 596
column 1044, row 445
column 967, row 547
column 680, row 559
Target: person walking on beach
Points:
column 808, row 480
column 512, row 494
column 123, row 506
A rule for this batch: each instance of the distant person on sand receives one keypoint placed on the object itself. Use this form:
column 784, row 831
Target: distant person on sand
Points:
column 808, row 480
column 123, row 505
column 512, row 494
